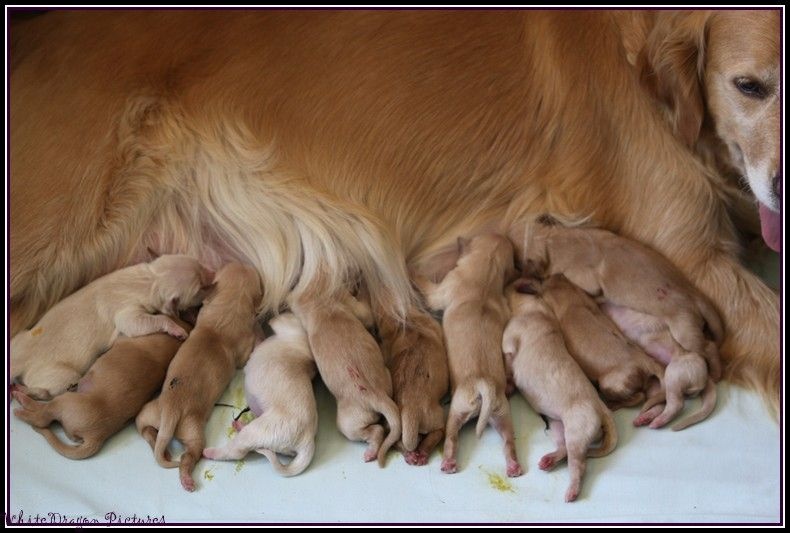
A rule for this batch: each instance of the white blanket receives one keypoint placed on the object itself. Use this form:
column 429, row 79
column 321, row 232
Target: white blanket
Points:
column 725, row 469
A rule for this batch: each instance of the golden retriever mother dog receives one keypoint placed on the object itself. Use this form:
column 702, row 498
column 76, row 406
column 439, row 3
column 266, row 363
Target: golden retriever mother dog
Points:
column 327, row 148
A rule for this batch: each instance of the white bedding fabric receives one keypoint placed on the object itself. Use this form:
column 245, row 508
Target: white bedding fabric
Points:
column 725, row 469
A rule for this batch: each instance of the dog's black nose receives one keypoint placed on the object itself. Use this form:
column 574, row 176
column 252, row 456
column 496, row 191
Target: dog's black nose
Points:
column 777, row 186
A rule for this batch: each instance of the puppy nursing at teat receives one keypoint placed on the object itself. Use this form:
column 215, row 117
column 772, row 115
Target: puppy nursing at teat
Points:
column 107, row 397
column 352, row 367
column 417, row 361
column 279, row 391
column 554, row 384
column 221, row 342
column 475, row 314
column 57, row 351
column 624, row 373
column 625, row 273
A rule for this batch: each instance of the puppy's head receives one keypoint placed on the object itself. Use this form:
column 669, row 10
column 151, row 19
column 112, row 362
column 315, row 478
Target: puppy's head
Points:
column 621, row 384
column 181, row 282
column 720, row 70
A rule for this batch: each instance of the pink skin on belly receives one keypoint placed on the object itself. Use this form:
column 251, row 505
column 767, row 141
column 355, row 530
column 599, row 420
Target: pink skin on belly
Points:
column 642, row 329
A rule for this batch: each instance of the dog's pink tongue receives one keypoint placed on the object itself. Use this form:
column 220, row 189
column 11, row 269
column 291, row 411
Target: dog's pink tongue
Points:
column 771, row 224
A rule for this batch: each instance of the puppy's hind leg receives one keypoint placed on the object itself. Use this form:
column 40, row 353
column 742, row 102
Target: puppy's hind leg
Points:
column 550, row 460
column 419, row 456
column 250, row 437
column 193, row 440
column 37, row 414
column 503, row 424
column 459, row 415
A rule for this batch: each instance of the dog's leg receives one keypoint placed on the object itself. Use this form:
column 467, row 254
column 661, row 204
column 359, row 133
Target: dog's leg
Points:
column 503, row 424
column 550, row 460
column 136, row 323
column 419, row 457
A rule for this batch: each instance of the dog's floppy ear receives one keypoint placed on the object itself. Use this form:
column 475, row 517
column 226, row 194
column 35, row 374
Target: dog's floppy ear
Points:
column 672, row 67
column 463, row 245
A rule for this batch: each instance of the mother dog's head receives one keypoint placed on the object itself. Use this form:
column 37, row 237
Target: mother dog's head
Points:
column 718, row 72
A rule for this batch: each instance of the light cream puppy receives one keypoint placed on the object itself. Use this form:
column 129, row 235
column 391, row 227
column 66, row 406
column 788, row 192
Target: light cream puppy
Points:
column 554, row 384
column 352, row 367
column 279, row 391
column 686, row 373
column 625, row 273
column 475, row 314
column 624, row 373
column 417, row 360
column 59, row 349
column 107, row 397
column 221, row 342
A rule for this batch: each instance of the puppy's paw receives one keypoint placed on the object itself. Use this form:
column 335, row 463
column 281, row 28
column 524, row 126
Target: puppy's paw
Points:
column 571, row 494
column 177, row 332
column 547, row 462
column 449, row 466
column 416, row 458
column 188, row 483
column 514, row 469
column 370, row 455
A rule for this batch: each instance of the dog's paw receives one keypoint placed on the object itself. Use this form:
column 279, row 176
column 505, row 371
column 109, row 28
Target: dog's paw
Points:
column 514, row 469
column 449, row 466
column 416, row 458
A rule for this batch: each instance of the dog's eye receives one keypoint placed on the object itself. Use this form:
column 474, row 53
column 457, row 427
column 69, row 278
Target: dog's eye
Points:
column 750, row 87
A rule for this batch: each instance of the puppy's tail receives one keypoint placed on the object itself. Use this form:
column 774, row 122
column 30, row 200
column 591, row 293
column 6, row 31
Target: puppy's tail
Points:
column 167, row 429
column 304, row 456
column 708, row 404
column 410, row 423
column 487, row 395
column 609, row 439
column 85, row 449
column 390, row 411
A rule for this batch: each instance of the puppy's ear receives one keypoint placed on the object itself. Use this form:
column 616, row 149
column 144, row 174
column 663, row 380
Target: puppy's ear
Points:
column 672, row 67
column 171, row 308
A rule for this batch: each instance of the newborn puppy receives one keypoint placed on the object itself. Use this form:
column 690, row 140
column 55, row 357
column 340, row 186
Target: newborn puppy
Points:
column 555, row 386
column 620, row 369
column 625, row 273
column 417, row 362
column 279, row 390
column 686, row 373
column 107, row 397
column 352, row 367
column 58, row 350
column 475, row 313
column 224, row 335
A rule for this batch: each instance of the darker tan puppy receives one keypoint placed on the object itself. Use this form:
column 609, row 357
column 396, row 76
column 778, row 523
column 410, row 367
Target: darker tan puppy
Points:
column 107, row 397
column 221, row 342
column 417, row 361
column 621, row 370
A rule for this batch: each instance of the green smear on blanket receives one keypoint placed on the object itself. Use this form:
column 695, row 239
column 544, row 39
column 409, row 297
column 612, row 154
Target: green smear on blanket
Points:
column 498, row 482
column 239, row 465
column 208, row 474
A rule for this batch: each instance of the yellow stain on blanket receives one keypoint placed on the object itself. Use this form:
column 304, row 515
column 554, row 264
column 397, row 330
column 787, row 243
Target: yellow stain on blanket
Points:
column 239, row 465
column 498, row 482
column 208, row 474
column 35, row 332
